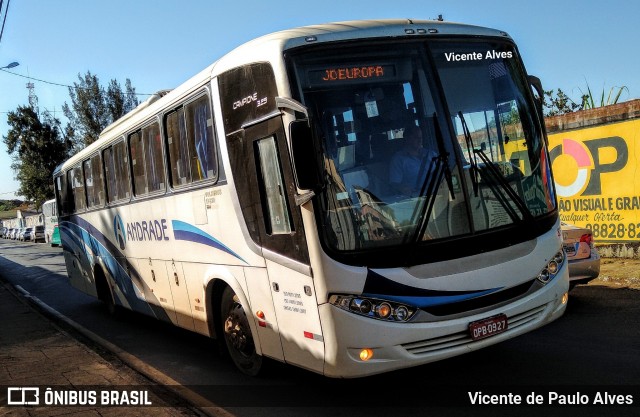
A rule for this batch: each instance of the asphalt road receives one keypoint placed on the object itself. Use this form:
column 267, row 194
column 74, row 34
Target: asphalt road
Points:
column 593, row 351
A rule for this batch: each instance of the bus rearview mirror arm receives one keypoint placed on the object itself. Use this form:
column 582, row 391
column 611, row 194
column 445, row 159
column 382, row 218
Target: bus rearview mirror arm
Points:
column 289, row 103
column 537, row 85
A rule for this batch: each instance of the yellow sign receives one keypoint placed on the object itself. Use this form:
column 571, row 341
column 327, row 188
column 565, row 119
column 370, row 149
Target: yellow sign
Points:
column 597, row 176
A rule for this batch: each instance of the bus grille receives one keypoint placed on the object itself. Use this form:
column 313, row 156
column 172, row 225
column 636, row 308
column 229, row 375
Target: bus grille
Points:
column 463, row 338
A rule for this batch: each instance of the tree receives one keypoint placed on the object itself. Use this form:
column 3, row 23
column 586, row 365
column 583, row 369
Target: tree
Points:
column 559, row 104
column 36, row 148
column 93, row 108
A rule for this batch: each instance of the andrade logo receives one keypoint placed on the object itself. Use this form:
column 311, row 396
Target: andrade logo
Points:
column 119, row 232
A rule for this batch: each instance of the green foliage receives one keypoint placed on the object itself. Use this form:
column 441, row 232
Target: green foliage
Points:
column 93, row 108
column 588, row 101
column 8, row 205
column 558, row 103
column 36, row 147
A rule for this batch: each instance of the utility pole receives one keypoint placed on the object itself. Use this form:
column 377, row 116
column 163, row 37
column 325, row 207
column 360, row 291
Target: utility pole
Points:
column 33, row 99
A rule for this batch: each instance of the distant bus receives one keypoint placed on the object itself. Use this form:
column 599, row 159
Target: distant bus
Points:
column 50, row 214
column 255, row 202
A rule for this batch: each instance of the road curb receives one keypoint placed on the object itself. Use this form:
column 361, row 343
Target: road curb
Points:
column 200, row 404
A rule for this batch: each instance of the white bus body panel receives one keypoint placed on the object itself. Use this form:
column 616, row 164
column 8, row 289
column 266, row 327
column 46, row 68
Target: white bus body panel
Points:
column 347, row 333
column 297, row 312
column 420, row 343
column 259, row 289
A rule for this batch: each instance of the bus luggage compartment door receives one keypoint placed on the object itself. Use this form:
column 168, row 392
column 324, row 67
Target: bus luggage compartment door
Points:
column 296, row 308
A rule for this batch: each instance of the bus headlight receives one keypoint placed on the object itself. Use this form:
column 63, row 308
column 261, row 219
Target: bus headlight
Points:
column 402, row 313
column 550, row 271
column 374, row 308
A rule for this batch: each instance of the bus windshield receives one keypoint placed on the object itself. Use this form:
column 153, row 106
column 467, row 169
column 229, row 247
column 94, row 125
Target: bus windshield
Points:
column 423, row 142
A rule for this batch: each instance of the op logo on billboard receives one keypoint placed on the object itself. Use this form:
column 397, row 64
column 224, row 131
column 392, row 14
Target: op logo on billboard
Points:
column 578, row 165
column 119, row 232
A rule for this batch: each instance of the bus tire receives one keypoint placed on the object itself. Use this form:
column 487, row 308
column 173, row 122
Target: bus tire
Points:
column 237, row 334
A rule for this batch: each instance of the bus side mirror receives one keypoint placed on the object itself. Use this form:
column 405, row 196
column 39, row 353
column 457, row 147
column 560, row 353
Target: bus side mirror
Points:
column 304, row 155
column 537, row 85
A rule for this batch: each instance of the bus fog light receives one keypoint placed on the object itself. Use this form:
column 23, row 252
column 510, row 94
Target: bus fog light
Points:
column 565, row 298
column 366, row 354
column 384, row 310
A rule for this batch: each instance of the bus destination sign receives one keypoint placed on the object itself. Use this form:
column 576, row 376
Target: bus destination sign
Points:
column 350, row 74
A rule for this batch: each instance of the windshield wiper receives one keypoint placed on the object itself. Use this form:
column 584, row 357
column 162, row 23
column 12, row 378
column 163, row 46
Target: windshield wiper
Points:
column 430, row 190
column 504, row 185
column 473, row 171
column 490, row 167
column 431, row 184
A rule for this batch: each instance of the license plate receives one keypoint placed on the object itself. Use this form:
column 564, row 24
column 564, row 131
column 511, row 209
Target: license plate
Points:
column 488, row 327
column 570, row 248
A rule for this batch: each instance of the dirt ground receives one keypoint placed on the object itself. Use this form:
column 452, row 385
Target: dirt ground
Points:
column 619, row 273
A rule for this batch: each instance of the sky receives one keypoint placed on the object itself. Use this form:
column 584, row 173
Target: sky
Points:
column 159, row 44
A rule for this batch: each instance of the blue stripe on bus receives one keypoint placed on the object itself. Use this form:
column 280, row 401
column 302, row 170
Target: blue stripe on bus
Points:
column 188, row 232
column 378, row 286
column 430, row 301
column 69, row 235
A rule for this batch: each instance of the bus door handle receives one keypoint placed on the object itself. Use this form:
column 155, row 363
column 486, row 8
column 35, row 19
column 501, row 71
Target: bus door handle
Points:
column 175, row 273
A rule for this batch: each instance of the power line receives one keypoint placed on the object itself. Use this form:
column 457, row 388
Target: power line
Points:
column 6, row 12
column 59, row 84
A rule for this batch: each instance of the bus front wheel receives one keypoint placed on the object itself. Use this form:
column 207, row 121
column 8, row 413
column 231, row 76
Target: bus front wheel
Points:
column 237, row 334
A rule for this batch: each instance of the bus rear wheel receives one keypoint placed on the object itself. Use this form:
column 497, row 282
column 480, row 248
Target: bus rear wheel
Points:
column 237, row 335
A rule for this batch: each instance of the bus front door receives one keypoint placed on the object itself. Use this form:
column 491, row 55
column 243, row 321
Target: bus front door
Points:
column 266, row 189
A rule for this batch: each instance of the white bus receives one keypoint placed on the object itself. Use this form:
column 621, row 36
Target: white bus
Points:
column 50, row 215
column 255, row 204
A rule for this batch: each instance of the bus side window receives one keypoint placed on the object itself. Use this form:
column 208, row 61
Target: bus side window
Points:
column 192, row 152
column 77, row 184
column 137, row 165
column 200, row 140
column 98, row 183
column 93, row 181
column 89, row 182
column 63, row 194
column 178, row 148
column 153, row 157
column 109, row 170
column 117, row 172
column 277, row 216
column 121, row 163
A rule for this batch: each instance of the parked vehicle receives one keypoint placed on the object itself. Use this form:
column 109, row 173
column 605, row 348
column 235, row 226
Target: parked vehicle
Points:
column 38, row 234
column 583, row 257
column 25, row 235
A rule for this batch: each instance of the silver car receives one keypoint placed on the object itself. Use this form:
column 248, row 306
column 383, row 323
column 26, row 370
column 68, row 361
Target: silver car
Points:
column 583, row 257
column 38, row 234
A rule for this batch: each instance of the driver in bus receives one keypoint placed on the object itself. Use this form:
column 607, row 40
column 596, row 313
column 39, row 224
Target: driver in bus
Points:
column 409, row 166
